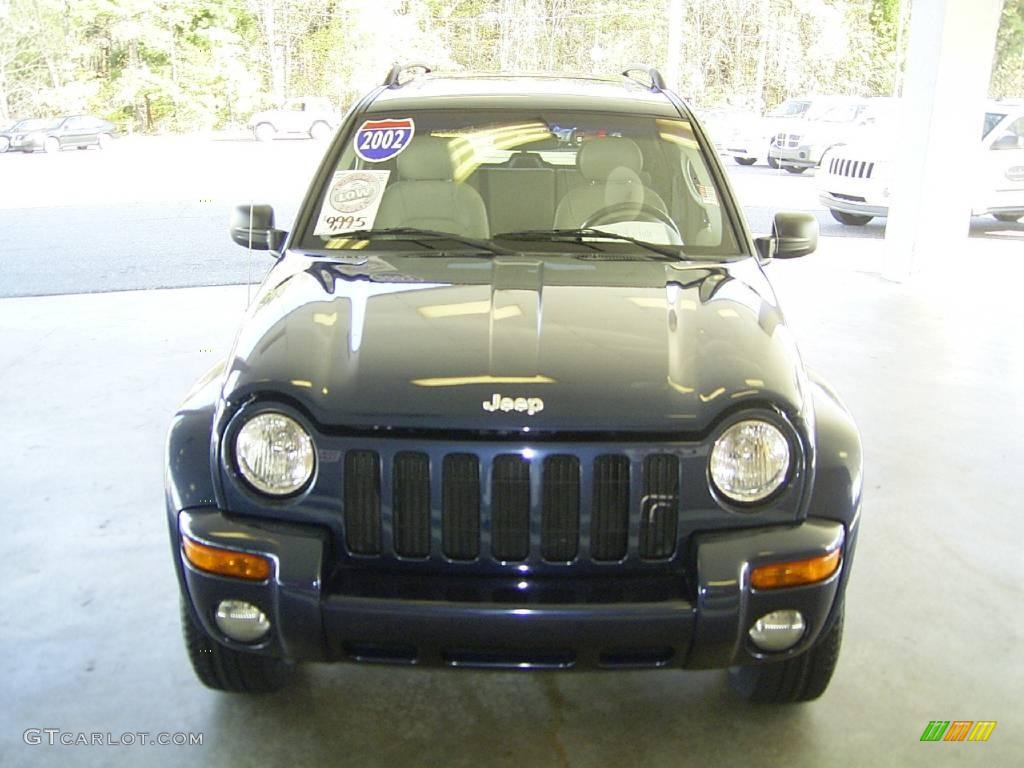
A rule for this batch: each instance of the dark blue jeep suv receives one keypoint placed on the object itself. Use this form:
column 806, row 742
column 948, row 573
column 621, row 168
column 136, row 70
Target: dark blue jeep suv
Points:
column 517, row 394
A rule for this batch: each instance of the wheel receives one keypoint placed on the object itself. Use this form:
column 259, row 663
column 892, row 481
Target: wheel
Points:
column 103, row 141
column 1008, row 217
column 801, row 678
column 618, row 212
column 850, row 219
column 772, row 162
column 4, row 144
column 225, row 669
column 265, row 132
column 794, row 168
column 52, row 144
column 319, row 130
column 745, row 160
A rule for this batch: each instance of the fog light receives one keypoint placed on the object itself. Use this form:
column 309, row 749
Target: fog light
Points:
column 778, row 630
column 241, row 621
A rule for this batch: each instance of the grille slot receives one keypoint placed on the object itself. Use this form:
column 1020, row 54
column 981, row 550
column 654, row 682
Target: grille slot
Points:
column 362, row 502
column 560, row 509
column 412, row 504
column 510, row 508
column 659, row 508
column 609, row 534
column 460, row 506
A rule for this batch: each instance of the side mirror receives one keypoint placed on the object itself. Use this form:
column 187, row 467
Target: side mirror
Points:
column 253, row 225
column 794, row 235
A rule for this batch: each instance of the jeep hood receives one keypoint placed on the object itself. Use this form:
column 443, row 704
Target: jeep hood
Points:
column 516, row 343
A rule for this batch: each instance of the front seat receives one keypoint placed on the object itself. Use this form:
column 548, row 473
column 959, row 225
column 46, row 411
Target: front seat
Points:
column 611, row 167
column 426, row 196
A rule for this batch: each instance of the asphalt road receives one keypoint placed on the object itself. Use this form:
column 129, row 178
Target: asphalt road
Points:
column 153, row 212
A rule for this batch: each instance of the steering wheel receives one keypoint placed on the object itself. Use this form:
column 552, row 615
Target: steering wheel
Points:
column 627, row 211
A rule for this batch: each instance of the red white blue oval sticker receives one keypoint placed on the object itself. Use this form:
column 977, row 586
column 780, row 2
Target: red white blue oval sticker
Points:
column 380, row 140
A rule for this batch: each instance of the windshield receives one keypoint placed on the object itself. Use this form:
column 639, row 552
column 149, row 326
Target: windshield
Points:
column 790, row 108
column 35, row 124
column 550, row 181
column 844, row 112
column 991, row 121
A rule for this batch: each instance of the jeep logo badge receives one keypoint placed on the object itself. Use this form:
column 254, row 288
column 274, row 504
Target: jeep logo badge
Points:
column 530, row 405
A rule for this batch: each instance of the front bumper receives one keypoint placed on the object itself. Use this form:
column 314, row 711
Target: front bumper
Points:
column 803, row 156
column 25, row 144
column 708, row 630
column 856, row 207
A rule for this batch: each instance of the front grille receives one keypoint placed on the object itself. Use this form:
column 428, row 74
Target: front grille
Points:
column 511, row 508
column 788, row 140
column 856, row 169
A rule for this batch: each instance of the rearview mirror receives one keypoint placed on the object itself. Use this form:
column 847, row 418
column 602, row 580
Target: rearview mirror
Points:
column 793, row 235
column 253, row 226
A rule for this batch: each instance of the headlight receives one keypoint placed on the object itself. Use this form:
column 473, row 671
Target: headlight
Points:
column 274, row 454
column 750, row 461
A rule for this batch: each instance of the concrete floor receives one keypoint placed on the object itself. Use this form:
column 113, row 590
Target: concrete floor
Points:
column 934, row 373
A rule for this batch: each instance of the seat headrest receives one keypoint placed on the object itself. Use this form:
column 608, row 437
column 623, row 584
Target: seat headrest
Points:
column 425, row 159
column 599, row 157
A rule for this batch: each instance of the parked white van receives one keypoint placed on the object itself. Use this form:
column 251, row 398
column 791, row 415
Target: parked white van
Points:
column 854, row 180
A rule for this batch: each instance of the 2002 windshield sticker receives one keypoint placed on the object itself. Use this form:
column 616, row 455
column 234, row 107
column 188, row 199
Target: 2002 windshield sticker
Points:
column 352, row 202
column 380, row 140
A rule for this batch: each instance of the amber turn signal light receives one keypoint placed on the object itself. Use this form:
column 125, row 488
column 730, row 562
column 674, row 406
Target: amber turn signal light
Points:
column 795, row 572
column 225, row 562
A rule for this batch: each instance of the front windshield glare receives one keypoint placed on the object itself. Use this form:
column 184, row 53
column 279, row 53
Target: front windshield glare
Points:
column 542, row 182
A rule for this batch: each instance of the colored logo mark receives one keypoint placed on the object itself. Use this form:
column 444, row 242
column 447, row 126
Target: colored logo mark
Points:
column 958, row 730
column 380, row 140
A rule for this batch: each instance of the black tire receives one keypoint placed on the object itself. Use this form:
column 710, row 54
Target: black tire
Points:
column 772, row 162
column 802, row 678
column 794, row 168
column 1010, row 218
column 265, row 132
column 745, row 160
column 850, row 219
column 319, row 130
column 225, row 669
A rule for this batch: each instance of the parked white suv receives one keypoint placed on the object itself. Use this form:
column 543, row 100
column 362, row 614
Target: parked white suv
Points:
column 313, row 116
column 831, row 121
column 752, row 139
column 854, row 180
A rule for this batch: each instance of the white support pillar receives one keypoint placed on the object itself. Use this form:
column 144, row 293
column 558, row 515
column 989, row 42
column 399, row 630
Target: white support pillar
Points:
column 949, row 63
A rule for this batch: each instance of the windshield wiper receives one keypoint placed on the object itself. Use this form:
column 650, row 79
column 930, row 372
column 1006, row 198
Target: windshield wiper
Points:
column 415, row 233
column 577, row 235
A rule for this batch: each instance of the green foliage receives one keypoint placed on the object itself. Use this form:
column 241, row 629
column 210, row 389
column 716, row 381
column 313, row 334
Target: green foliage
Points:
column 1008, row 70
column 177, row 65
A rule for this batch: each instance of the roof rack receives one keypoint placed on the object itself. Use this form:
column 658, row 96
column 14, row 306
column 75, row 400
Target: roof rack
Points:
column 396, row 71
column 657, row 81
